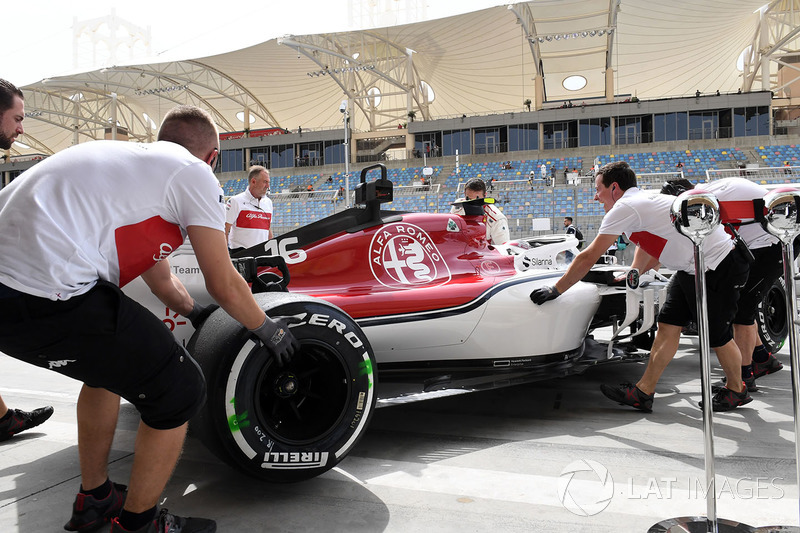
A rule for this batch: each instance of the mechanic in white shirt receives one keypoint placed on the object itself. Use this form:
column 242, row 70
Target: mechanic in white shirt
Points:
column 497, row 231
column 735, row 196
column 76, row 228
column 249, row 214
column 645, row 219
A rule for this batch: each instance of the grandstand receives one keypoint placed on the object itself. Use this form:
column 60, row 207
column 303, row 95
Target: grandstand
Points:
column 521, row 199
column 463, row 111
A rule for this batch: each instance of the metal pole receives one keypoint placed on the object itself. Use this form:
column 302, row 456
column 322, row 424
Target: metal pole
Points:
column 695, row 214
column 346, row 156
column 791, row 298
column 705, row 381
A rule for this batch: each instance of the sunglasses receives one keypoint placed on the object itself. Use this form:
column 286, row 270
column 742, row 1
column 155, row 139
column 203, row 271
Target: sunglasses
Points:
column 213, row 160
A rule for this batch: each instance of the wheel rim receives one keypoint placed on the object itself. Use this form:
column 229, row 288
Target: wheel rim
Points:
column 304, row 401
column 775, row 313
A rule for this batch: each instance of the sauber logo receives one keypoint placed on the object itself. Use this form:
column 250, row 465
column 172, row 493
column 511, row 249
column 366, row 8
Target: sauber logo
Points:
column 403, row 256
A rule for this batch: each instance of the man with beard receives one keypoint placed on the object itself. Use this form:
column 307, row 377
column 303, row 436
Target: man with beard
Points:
column 12, row 113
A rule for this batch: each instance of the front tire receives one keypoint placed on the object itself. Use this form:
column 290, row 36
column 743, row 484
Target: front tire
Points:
column 290, row 423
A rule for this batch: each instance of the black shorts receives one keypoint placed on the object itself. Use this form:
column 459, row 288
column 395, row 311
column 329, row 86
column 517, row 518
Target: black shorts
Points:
column 105, row 339
column 767, row 268
column 722, row 294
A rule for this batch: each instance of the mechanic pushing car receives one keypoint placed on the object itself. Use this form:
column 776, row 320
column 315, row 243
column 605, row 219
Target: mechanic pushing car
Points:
column 735, row 196
column 645, row 219
column 76, row 228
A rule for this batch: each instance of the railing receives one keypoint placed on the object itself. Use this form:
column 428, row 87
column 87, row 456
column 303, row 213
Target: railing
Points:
column 314, row 196
column 416, row 190
column 490, row 148
column 788, row 174
column 648, row 180
column 502, row 185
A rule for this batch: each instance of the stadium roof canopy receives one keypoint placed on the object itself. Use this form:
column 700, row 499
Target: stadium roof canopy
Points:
column 483, row 62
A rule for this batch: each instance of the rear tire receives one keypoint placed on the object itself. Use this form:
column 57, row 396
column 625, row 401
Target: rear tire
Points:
column 771, row 316
column 291, row 423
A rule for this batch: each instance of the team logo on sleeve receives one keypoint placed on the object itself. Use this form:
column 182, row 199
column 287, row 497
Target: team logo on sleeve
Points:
column 403, row 256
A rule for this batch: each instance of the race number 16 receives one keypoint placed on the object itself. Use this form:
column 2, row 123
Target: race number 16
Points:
column 280, row 247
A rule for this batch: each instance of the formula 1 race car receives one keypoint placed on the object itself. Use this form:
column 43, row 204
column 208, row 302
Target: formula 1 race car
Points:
column 391, row 307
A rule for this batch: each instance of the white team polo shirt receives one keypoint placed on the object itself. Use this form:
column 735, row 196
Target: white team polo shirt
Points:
column 103, row 210
column 250, row 219
column 645, row 219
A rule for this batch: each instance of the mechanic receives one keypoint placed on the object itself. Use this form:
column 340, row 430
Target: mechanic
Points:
column 76, row 228
column 735, row 196
column 496, row 222
column 249, row 214
column 12, row 113
column 645, row 220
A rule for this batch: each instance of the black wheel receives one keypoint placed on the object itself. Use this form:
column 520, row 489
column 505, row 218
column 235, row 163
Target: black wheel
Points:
column 287, row 423
column 771, row 316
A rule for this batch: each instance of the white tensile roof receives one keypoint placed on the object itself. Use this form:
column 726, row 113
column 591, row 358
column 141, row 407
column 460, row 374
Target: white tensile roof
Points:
column 476, row 63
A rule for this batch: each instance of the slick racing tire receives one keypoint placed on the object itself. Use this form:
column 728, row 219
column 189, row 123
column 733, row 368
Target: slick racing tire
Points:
column 771, row 316
column 284, row 424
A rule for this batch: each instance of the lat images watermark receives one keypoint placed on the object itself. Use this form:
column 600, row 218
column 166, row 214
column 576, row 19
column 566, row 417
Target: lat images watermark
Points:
column 586, row 488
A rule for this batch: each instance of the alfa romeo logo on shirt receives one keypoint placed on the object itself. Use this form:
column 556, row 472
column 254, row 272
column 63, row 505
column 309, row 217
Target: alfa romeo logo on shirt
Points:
column 403, row 256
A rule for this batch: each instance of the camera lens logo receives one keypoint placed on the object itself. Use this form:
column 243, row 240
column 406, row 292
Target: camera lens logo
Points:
column 585, row 487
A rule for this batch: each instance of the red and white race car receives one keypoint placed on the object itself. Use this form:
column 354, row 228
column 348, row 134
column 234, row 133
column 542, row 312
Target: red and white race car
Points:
column 393, row 307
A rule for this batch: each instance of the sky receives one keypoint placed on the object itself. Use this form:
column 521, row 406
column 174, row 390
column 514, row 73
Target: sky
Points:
column 38, row 37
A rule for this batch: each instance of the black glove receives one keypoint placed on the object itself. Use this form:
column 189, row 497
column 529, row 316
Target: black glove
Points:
column 199, row 313
column 544, row 294
column 277, row 338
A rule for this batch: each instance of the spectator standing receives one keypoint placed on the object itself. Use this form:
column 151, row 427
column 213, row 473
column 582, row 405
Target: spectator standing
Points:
column 12, row 113
column 138, row 203
column 645, row 219
column 543, row 171
column 249, row 214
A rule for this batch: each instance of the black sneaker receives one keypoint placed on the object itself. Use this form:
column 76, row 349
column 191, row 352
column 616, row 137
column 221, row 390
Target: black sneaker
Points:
column 750, row 383
column 89, row 513
column 770, row 366
column 726, row 400
column 21, row 420
column 166, row 522
column 628, row 394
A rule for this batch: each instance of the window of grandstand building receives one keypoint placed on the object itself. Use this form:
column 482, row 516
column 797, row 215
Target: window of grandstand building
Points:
column 282, row 156
column 490, row 140
column 558, row 135
column 634, row 130
column 671, row 127
column 749, row 121
column 705, row 125
column 453, row 140
column 427, row 143
column 232, row 160
column 259, row 156
column 334, row 152
column 523, row 137
column 594, row 132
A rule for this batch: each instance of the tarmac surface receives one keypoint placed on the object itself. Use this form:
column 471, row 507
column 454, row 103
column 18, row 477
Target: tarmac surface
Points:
column 553, row 456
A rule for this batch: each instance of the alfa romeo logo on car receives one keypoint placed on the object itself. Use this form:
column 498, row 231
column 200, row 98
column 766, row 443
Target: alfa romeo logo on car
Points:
column 403, row 256
column 585, row 487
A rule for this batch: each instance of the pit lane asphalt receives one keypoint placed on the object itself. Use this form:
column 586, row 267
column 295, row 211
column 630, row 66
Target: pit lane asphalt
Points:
column 484, row 461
